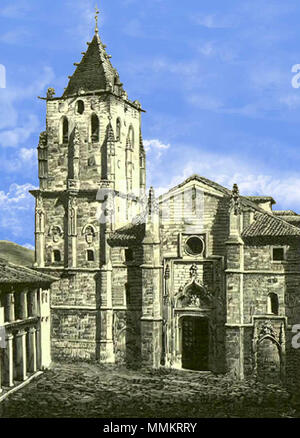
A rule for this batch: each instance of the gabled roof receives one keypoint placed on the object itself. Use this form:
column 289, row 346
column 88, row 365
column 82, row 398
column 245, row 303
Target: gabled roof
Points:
column 245, row 200
column 200, row 179
column 95, row 71
column 267, row 225
column 15, row 274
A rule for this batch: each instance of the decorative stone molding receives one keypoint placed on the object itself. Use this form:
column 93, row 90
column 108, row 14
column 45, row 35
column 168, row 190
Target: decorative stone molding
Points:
column 235, row 200
column 50, row 93
column 89, row 232
column 193, row 294
column 267, row 329
column 56, row 232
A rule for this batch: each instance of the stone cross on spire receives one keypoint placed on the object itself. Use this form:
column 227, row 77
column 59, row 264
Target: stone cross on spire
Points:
column 96, row 19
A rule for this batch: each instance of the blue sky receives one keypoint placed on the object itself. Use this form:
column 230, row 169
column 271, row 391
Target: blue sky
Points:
column 214, row 77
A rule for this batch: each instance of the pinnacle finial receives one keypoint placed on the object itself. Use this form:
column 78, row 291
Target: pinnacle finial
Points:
column 96, row 19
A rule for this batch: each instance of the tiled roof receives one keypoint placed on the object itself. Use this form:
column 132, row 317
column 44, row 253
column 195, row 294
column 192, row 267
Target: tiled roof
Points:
column 14, row 274
column 131, row 234
column 294, row 220
column 285, row 213
column 94, row 72
column 259, row 199
column 269, row 226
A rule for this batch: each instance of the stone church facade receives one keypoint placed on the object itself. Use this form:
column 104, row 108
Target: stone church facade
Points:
column 201, row 278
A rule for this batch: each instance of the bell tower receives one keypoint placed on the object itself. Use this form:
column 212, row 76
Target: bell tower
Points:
column 91, row 161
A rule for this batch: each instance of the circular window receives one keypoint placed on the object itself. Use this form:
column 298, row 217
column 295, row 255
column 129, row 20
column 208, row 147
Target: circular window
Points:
column 80, row 107
column 194, row 245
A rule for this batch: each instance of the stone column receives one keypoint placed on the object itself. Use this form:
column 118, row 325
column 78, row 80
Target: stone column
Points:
column 38, row 348
column 10, row 307
column 151, row 320
column 234, row 291
column 23, row 312
column 31, row 350
column 72, row 231
column 33, row 303
column 39, row 232
column 43, row 332
column 8, row 361
column 20, row 360
column 104, row 329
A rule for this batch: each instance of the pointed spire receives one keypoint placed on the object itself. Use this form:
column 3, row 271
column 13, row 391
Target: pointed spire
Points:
column 152, row 204
column 235, row 200
column 142, row 149
column 95, row 71
column 77, row 139
column 110, row 136
column 96, row 20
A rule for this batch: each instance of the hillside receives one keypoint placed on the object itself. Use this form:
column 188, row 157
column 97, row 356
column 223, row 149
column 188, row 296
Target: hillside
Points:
column 14, row 253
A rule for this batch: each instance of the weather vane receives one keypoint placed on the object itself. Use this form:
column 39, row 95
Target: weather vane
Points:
column 96, row 19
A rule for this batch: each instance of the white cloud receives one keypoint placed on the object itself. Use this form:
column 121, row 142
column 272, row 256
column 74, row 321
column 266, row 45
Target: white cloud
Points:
column 13, row 10
column 213, row 21
column 18, row 135
column 155, row 145
column 16, row 209
column 216, row 49
column 15, row 36
column 14, row 129
column 285, row 188
column 29, row 246
column 28, row 154
column 205, row 102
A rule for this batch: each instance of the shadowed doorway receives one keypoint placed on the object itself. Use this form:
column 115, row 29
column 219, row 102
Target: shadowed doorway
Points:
column 195, row 343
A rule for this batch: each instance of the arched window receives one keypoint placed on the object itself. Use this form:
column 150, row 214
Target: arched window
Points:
column 118, row 130
column 56, row 255
column 131, row 135
column 65, row 130
column 80, row 107
column 273, row 304
column 95, row 129
column 90, row 255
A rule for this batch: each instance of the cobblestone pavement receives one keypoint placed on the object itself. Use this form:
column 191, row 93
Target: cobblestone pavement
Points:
column 77, row 390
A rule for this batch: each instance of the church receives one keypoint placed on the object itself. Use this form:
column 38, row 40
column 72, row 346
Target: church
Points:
column 200, row 278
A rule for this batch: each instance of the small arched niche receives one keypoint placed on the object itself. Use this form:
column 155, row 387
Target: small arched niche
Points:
column 79, row 107
column 90, row 255
column 95, row 129
column 64, row 130
column 118, row 129
column 56, row 256
column 273, row 304
column 131, row 135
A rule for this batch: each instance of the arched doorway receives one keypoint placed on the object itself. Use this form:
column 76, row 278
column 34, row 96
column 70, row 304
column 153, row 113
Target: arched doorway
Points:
column 268, row 361
column 195, row 343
